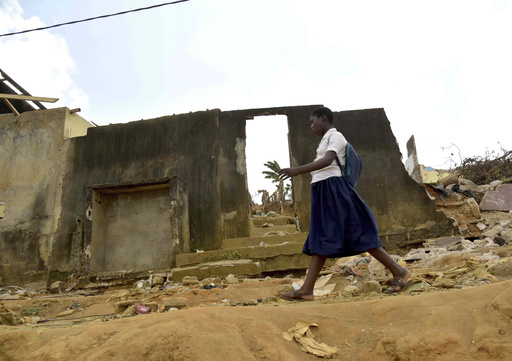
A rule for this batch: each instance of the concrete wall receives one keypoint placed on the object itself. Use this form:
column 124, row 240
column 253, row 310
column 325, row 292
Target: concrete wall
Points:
column 403, row 210
column 32, row 164
column 132, row 196
column 189, row 146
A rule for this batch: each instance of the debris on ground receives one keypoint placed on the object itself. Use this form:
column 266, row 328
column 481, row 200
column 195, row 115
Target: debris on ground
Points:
column 302, row 334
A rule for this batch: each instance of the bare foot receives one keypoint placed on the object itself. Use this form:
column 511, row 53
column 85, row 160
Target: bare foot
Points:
column 296, row 296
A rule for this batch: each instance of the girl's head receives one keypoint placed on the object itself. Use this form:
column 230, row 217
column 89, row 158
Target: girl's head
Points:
column 321, row 121
column 323, row 111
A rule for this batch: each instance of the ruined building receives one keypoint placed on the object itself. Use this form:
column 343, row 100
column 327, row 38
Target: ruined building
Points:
column 80, row 199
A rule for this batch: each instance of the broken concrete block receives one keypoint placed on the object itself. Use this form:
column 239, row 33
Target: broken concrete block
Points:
column 371, row 286
column 56, row 287
column 189, row 280
column 211, row 280
column 481, row 226
column 231, row 279
column 448, row 241
column 475, row 209
column 175, row 302
column 157, row 280
column 498, row 200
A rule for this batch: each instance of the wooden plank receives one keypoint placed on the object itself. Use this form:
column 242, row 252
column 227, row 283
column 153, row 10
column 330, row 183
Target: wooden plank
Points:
column 26, row 97
column 11, row 107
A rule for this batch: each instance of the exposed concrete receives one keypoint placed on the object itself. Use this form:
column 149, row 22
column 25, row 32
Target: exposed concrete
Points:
column 32, row 166
column 499, row 199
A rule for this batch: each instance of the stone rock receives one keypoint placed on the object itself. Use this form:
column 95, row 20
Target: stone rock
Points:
column 351, row 290
column 495, row 184
column 56, row 287
column 507, row 234
column 209, row 281
column 443, row 283
column 498, row 200
column 120, row 307
column 493, row 231
column 370, row 286
column 481, row 226
column 130, row 311
column 142, row 284
column 251, row 303
column 190, row 280
column 470, row 184
column 175, row 302
column 231, row 279
column 271, row 214
column 152, row 305
column 270, row 299
column 284, row 288
column 157, row 280
column 500, row 241
column 475, row 209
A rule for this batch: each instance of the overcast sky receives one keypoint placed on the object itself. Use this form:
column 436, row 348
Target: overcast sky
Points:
column 440, row 69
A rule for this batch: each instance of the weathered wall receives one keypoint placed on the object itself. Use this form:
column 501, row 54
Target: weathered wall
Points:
column 403, row 210
column 179, row 182
column 32, row 161
column 189, row 146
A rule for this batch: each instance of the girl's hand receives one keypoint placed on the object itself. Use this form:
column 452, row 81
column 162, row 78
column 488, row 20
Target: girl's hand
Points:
column 286, row 173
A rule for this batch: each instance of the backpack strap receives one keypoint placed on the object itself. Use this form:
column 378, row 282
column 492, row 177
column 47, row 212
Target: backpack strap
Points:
column 337, row 159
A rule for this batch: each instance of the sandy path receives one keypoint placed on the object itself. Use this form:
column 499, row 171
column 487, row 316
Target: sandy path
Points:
column 466, row 324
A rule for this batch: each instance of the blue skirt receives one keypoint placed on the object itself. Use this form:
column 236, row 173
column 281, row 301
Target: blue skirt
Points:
column 342, row 224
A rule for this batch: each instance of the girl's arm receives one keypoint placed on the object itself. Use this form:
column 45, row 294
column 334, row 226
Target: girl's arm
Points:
column 286, row 173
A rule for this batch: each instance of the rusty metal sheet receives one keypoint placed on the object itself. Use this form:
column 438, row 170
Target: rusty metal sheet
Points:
column 498, row 200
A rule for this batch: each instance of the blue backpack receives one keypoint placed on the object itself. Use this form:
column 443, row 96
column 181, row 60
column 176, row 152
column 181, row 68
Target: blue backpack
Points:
column 353, row 165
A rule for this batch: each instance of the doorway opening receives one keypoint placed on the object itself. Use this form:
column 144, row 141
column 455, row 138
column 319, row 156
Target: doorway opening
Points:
column 266, row 151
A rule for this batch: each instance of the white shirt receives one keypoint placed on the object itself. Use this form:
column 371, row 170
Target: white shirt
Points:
column 335, row 141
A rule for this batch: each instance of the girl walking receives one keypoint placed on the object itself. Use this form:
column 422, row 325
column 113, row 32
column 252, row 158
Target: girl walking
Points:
column 341, row 223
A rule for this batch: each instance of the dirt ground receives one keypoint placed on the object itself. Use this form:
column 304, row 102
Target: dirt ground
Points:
column 246, row 322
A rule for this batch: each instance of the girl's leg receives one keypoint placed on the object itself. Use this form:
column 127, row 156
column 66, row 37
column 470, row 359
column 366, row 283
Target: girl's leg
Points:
column 306, row 291
column 400, row 274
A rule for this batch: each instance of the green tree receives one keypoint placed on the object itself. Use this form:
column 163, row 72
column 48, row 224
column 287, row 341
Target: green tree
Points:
column 273, row 175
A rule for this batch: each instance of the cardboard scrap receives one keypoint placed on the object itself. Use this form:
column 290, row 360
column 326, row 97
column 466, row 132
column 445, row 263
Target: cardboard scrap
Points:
column 321, row 287
column 304, row 337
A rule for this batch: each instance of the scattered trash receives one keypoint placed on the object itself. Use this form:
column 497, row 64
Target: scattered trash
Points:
column 142, row 310
column 302, row 334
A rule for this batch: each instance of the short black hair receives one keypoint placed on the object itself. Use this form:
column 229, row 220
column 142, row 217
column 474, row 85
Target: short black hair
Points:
column 324, row 111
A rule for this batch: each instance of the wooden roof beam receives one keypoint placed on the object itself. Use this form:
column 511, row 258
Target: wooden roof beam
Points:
column 28, row 97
